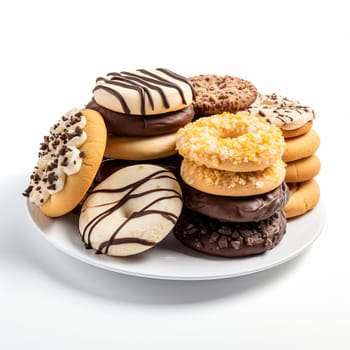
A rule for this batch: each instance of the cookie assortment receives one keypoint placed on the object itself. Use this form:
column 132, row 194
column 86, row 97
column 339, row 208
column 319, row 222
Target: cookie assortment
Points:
column 207, row 158
column 302, row 141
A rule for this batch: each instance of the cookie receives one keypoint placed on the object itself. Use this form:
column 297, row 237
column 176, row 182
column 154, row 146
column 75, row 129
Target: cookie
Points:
column 287, row 134
column 120, row 124
column 231, row 142
column 215, row 237
column 301, row 147
column 140, row 148
column 236, row 209
column 131, row 211
column 68, row 162
column 143, row 92
column 304, row 196
column 281, row 111
column 227, row 183
column 303, row 169
column 217, row 94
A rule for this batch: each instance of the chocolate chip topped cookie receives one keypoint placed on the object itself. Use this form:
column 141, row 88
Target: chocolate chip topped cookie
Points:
column 217, row 94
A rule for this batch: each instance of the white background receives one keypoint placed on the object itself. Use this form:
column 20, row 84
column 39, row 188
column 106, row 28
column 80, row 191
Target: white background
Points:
column 51, row 53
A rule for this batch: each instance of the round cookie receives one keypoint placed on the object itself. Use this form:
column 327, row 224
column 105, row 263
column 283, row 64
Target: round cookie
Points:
column 217, row 94
column 68, row 162
column 144, row 92
column 303, row 169
column 236, row 209
column 304, row 196
column 214, row 237
column 301, row 147
column 141, row 148
column 281, row 111
column 231, row 142
column 287, row 134
column 131, row 211
column 120, row 124
column 227, row 183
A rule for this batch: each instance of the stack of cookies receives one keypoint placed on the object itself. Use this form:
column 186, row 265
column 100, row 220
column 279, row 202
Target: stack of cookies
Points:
column 234, row 189
column 295, row 121
column 142, row 111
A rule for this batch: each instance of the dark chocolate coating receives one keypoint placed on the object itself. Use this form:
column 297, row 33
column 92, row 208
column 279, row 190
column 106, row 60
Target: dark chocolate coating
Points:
column 109, row 166
column 227, row 239
column 236, row 209
column 120, row 124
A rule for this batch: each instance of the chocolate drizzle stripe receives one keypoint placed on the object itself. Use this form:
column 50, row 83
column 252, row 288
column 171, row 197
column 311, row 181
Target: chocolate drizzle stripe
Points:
column 143, row 212
column 116, row 94
column 136, row 87
column 133, row 78
column 126, row 240
column 143, row 83
column 136, row 184
column 161, row 81
column 178, row 77
column 118, row 76
column 131, row 188
column 101, row 216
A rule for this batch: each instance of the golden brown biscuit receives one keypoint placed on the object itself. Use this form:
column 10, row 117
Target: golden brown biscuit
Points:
column 68, row 161
column 226, row 183
column 303, row 169
column 297, row 132
column 301, row 146
column 140, row 148
column 304, row 196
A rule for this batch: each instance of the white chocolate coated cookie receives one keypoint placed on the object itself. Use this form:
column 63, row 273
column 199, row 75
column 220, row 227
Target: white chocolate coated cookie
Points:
column 144, row 92
column 278, row 110
column 131, row 211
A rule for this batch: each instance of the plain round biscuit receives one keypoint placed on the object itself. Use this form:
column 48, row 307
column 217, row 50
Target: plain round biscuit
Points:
column 217, row 94
column 303, row 169
column 301, row 146
column 225, row 183
column 141, row 148
column 304, row 196
column 287, row 134
column 131, row 211
column 77, row 185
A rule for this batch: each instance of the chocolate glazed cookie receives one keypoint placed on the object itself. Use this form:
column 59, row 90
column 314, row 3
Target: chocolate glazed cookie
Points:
column 236, row 209
column 214, row 237
column 120, row 124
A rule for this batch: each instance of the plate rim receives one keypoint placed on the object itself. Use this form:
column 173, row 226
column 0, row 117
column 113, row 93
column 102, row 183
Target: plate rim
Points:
column 87, row 259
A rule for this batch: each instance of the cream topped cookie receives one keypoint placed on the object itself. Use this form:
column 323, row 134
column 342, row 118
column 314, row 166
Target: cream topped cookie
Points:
column 281, row 111
column 59, row 156
column 143, row 92
column 69, row 158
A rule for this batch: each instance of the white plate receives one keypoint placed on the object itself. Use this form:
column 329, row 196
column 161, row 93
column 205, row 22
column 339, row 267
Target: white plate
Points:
column 171, row 260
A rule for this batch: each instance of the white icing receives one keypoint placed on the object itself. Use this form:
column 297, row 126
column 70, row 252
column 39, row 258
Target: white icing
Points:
column 59, row 157
column 106, row 90
column 278, row 110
